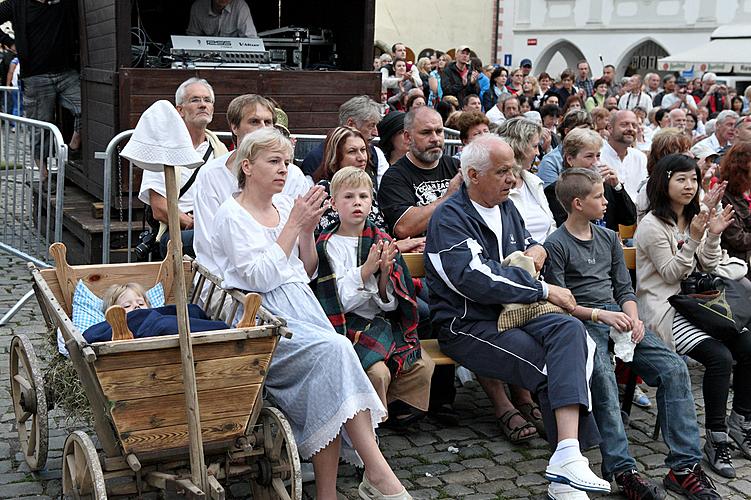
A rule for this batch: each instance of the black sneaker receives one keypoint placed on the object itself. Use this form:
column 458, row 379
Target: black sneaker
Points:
column 717, row 448
column 692, row 483
column 635, row 487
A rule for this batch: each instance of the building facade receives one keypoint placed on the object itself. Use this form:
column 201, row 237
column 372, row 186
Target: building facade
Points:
column 629, row 34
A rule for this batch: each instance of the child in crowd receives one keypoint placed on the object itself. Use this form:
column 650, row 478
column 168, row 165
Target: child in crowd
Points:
column 677, row 237
column 367, row 293
column 130, row 296
column 588, row 260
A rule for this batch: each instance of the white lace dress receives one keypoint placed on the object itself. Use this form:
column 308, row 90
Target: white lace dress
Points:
column 315, row 377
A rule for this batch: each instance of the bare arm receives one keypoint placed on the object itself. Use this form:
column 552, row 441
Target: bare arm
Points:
column 159, row 209
column 9, row 78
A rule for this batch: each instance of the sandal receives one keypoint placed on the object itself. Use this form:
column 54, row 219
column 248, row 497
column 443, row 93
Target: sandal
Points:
column 528, row 412
column 514, row 434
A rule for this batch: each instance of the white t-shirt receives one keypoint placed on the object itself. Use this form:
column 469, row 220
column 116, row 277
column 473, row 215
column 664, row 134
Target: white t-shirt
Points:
column 631, row 171
column 535, row 219
column 495, row 116
column 492, row 217
column 155, row 181
column 382, row 163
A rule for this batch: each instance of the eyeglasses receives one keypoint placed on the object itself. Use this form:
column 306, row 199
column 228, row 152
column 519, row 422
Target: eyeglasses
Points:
column 198, row 100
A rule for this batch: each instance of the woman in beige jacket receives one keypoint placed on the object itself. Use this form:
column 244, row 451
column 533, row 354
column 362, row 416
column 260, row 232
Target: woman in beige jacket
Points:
column 673, row 240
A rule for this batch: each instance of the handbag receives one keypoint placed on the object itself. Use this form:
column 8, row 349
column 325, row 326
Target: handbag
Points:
column 703, row 302
column 731, row 268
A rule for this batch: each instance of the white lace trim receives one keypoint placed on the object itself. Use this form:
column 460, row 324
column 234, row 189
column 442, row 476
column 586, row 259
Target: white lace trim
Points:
column 331, row 429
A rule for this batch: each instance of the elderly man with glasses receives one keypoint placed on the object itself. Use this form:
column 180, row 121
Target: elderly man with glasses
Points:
column 194, row 101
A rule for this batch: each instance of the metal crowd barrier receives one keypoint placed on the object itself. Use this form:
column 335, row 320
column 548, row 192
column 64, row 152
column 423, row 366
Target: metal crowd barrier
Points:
column 25, row 145
column 303, row 145
column 30, row 223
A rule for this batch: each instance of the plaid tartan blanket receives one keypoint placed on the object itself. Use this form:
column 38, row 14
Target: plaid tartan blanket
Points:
column 391, row 337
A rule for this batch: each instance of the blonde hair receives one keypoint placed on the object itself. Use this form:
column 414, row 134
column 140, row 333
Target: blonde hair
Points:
column 349, row 177
column 424, row 64
column 578, row 139
column 264, row 139
column 534, row 82
column 598, row 113
column 113, row 294
column 518, row 132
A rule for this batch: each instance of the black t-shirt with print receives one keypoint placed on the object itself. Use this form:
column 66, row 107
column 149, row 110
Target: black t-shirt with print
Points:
column 406, row 185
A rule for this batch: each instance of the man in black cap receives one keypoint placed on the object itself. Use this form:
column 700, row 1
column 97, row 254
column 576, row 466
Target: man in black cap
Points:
column 526, row 66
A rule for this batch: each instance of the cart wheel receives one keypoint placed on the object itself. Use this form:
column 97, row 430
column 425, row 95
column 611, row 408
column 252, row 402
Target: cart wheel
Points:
column 82, row 472
column 29, row 401
column 279, row 474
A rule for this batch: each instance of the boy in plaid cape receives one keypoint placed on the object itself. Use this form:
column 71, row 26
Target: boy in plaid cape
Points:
column 365, row 289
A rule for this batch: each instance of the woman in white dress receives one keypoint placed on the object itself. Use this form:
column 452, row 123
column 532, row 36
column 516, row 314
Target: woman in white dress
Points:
column 265, row 243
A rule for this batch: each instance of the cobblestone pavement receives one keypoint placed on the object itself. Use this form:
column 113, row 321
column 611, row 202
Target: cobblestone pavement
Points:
column 472, row 461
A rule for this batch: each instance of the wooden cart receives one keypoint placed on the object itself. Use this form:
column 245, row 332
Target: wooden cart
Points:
column 137, row 396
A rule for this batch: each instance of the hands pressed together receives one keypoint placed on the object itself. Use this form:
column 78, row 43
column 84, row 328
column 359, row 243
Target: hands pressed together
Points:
column 380, row 258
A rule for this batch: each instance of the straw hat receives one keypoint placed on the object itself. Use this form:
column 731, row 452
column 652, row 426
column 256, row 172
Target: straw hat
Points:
column 161, row 138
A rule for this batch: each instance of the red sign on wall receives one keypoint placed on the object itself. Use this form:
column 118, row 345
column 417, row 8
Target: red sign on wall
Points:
column 531, row 41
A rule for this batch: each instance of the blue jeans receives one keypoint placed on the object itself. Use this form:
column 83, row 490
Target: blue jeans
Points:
column 661, row 368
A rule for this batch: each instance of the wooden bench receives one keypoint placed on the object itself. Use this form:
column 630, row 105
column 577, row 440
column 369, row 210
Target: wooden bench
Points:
column 626, row 232
column 416, row 265
column 629, row 255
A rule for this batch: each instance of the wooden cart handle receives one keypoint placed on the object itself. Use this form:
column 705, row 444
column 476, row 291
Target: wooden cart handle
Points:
column 115, row 316
column 64, row 273
column 251, row 303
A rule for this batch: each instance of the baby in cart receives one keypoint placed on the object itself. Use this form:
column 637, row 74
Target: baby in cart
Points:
column 144, row 321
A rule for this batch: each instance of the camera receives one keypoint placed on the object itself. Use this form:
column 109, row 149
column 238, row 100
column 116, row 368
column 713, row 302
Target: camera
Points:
column 146, row 245
column 700, row 283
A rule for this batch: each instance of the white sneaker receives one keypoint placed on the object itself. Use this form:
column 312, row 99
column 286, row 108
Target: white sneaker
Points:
column 576, row 473
column 565, row 492
column 640, row 399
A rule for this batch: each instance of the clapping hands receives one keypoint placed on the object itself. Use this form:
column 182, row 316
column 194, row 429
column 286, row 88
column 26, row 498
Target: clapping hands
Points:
column 719, row 221
column 380, row 258
column 307, row 211
column 715, row 222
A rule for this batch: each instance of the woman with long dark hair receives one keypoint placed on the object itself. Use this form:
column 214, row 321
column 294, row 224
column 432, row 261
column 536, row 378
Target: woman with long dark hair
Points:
column 676, row 238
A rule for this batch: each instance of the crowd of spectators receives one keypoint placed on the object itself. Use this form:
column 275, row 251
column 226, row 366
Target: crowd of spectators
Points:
column 534, row 183
column 522, row 222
